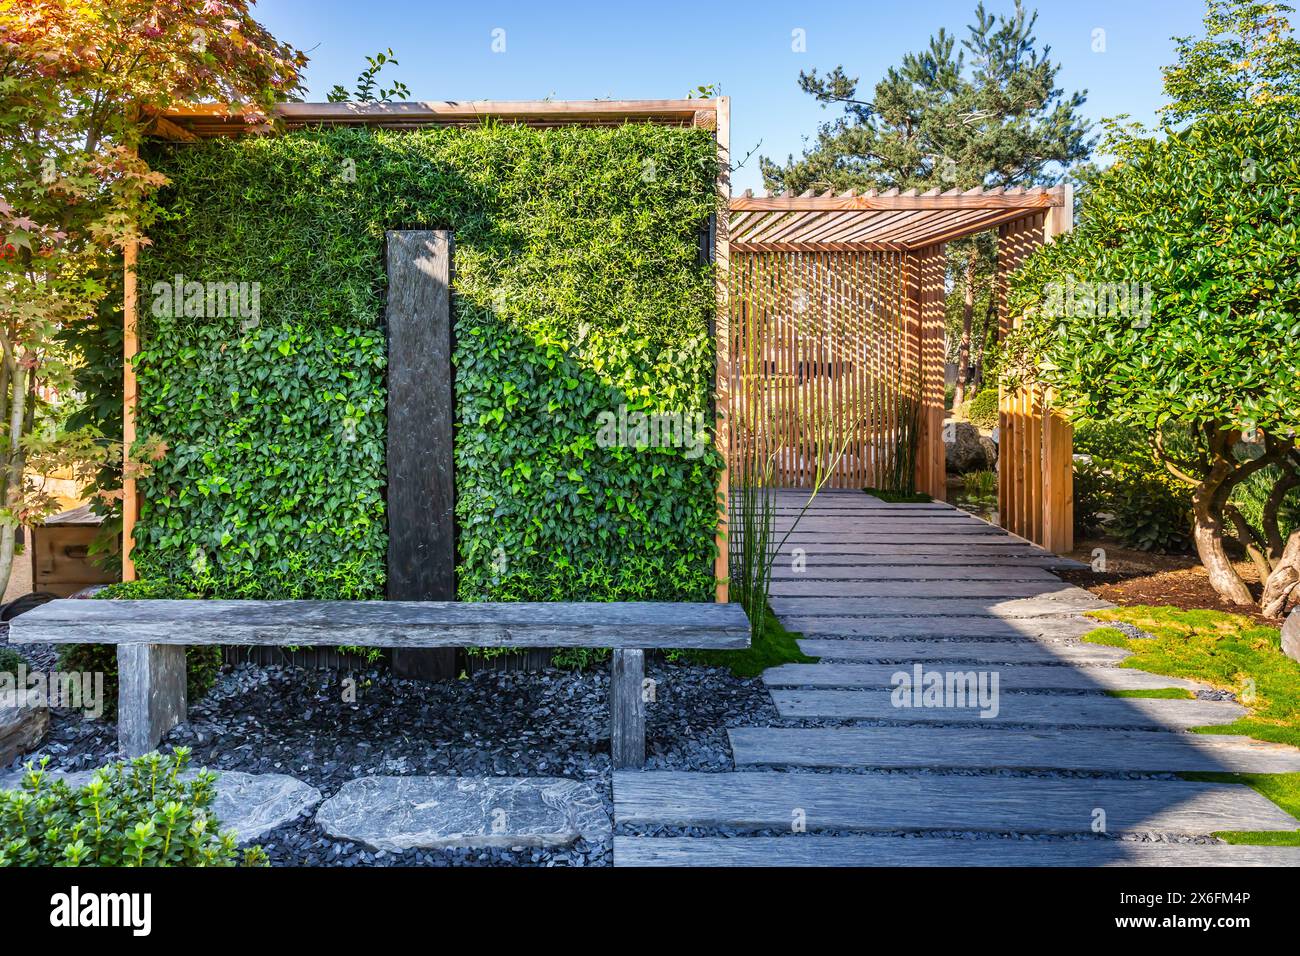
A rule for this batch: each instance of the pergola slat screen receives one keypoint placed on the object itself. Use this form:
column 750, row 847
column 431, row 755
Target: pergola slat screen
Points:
column 827, row 369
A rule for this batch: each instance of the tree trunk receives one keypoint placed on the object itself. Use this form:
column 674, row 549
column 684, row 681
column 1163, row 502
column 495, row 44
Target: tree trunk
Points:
column 1207, row 532
column 963, row 346
column 13, row 478
column 1283, row 580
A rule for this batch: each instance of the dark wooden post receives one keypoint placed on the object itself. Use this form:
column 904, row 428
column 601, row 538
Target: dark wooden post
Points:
column 421, row 471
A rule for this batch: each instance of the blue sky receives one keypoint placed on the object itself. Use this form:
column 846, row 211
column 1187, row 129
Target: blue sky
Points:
column 570, row 50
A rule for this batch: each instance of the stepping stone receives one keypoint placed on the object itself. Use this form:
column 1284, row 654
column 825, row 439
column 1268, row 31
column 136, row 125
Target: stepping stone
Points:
column 248, row 804
column 991, row 628
column 988, row 652
column 996, row 589
column 973, row 748
column 903, row 802
column 1027, row 709
column 805, row 850
column 1065, row 602
column 1010, row 678
column 815, row 570
column 401, row 813
column 21, row 730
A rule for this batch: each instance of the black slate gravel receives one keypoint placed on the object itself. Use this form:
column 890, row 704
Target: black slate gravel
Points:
column 327, row 727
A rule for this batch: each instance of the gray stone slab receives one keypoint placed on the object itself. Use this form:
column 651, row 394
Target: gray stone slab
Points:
column 401, row 813
column 1029, row 709
column 1064, row 602
column 814, row 569
column 977, row 748
column 919, row 802
column 972, row 627
column 987, row 652
column 1010, row 677
column 807, row 850
column 250, row 805
column 636, row 624
column 945, row 589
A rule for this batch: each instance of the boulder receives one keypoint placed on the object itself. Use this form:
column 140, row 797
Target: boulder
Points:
column 963, row 449
column 990, row 452
column 1291, row 635
column 21, row 729
column 402, row 813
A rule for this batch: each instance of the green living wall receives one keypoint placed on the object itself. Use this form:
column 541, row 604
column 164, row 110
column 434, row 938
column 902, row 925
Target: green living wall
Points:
column 578, row 290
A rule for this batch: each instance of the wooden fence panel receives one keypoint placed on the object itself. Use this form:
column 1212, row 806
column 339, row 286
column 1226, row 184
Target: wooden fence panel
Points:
column 1035, row 448
column 836, row 358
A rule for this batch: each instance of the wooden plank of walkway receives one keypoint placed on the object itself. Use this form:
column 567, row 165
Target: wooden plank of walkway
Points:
column 989, row 547
column 837, row 526
column 986, row 652
column 814, row 587
column 1027, row 709
column 972, row 748
column 1043, row 627
column 1065, row 602
column 811, row 850
column 903, row 801
column 1012, row 677
column 905, row 535
column 869, row 564
column 815, row 571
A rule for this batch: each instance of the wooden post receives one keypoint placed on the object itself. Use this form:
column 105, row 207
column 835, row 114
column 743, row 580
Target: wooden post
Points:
column 722, row 339
column 627, row 709
column 1058, row 435
column 421, row 467
column 130, row 346
column 928, row 268
column 150, row 694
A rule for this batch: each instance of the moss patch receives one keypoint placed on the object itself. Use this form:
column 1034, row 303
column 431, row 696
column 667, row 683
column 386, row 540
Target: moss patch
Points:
column 1159, row 693
column 1227, row 651
column 774, row 646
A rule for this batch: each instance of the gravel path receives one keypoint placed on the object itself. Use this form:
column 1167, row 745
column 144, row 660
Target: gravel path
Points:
column 275, row 719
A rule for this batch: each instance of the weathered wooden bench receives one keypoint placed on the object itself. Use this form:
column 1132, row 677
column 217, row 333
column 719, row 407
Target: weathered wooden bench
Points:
column 151, row 637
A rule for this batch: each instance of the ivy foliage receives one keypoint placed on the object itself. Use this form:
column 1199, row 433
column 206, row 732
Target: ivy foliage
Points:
column 578, row 289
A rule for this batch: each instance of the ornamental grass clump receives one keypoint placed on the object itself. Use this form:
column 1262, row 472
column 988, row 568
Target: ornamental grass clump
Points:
column 145, row 812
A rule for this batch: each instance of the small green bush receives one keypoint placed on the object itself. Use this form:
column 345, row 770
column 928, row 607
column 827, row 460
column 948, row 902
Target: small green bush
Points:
column 980, row 484
column 141, row 813
column 10, row 660
column 982, row 410
column 1152, row 510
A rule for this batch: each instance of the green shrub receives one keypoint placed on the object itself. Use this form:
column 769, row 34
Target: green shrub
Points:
column 10, row 660
column 1092, row 497
column 1152, row 510
column 141, row 813
column 579, row 289
column 949, row 395
column 982, row 411
column 980, row 484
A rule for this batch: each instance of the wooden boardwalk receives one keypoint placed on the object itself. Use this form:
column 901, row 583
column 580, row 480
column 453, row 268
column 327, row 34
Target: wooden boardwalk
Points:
column 1009, row 750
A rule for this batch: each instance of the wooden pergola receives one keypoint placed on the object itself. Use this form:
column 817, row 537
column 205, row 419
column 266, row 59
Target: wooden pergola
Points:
column 846, row 293
column 197, row 122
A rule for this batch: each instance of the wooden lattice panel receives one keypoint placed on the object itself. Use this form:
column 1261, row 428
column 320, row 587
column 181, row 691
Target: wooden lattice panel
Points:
column 826, row 365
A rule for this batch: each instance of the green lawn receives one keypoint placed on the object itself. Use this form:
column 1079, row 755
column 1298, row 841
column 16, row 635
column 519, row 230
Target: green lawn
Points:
column 774, row 646
column 1224, row 650
column 1234, row 653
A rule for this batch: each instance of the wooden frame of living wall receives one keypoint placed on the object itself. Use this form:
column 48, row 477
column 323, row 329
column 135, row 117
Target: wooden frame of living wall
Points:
column 197, row 122
column 847, row 293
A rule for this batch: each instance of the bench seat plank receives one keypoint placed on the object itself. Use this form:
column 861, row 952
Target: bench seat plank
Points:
column 642, row 625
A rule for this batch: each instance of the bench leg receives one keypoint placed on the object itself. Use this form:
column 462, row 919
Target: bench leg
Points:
column 627, row 709
column 150, row 694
